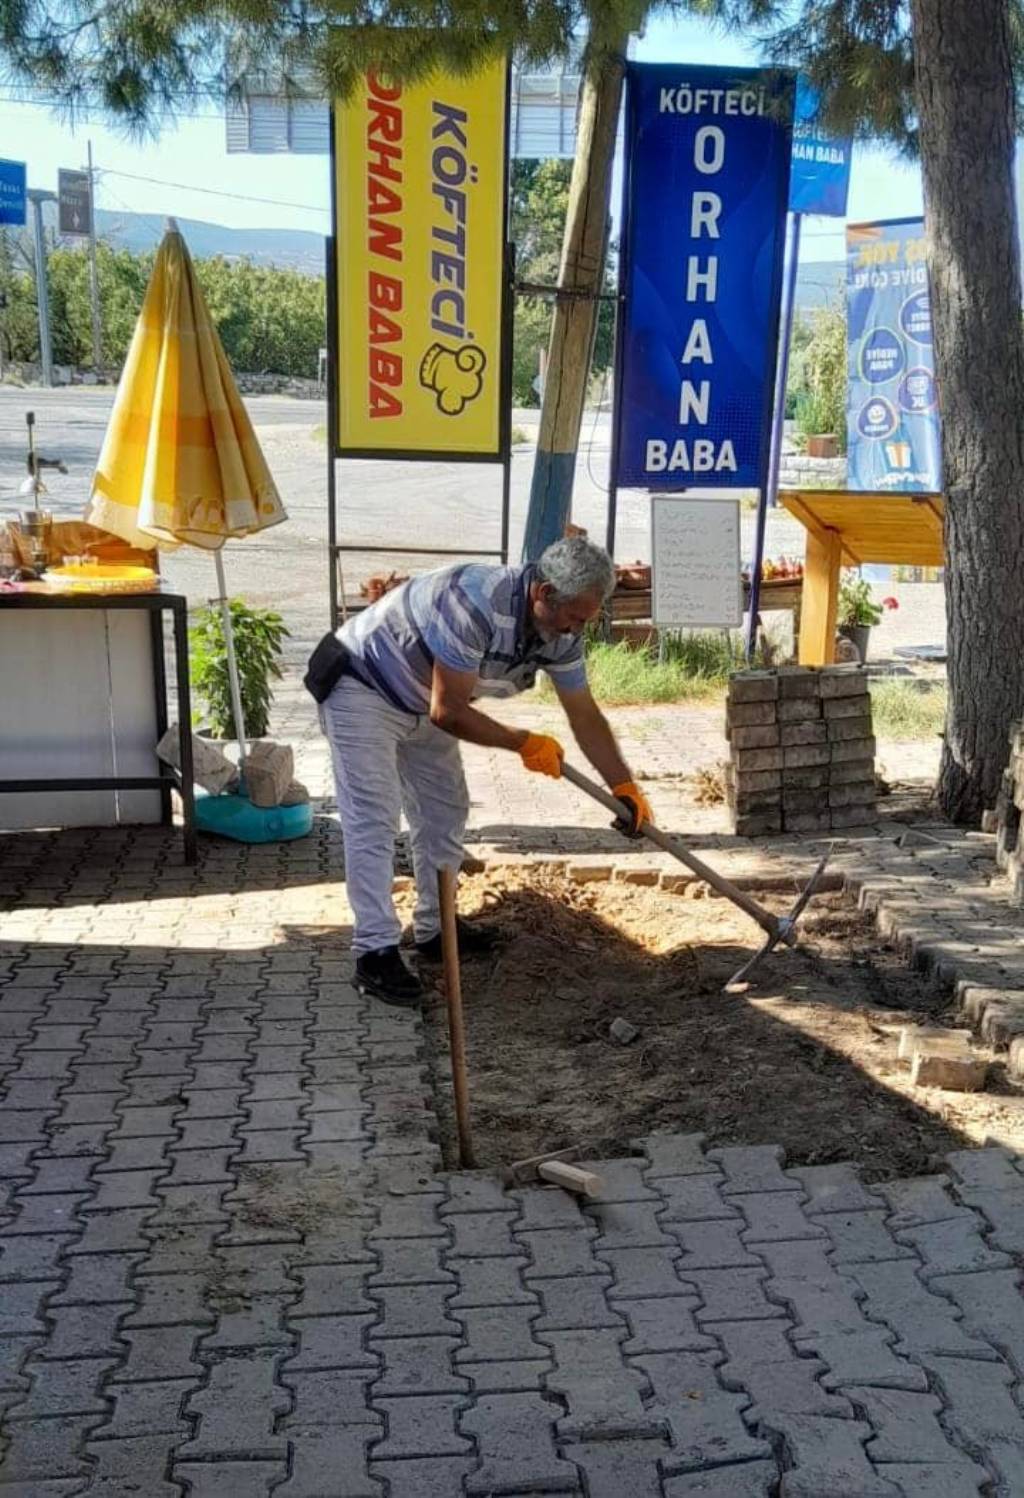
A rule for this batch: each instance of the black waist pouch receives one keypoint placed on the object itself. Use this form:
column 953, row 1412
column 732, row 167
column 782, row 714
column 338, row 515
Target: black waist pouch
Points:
column 327, row 665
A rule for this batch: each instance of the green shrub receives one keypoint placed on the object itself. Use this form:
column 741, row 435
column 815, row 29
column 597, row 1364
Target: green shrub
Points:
column 258, row 636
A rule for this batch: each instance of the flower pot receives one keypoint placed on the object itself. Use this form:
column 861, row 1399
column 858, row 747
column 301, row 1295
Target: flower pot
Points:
column 859, row 635
column 825, row 445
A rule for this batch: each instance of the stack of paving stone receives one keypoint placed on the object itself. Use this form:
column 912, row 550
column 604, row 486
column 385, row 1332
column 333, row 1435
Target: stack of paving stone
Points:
column 802, row 750
column 1009, row 807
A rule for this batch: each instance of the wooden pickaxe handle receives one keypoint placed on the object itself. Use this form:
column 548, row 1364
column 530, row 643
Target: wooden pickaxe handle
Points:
column 674, row 847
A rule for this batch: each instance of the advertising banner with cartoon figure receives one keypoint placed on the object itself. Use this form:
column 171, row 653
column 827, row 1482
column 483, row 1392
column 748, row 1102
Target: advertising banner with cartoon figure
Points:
column 419, row 187
column 704, row 217
column 892, row 413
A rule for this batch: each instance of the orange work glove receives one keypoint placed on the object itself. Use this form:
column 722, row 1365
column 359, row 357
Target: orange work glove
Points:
column 543, row 755
column 639, row 806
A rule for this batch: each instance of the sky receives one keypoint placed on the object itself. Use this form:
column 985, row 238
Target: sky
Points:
column 187, row 171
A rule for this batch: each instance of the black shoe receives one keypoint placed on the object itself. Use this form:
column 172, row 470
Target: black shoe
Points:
column 386, row 976
column 474, row 941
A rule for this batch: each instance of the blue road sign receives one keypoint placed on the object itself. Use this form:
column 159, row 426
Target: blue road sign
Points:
column 13, row 192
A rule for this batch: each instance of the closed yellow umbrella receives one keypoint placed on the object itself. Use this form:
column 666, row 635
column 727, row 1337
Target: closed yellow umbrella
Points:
column 180, row 462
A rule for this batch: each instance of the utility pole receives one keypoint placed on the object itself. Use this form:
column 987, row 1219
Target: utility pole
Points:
column 94, row 279
column 580, row 283
column 37, row 197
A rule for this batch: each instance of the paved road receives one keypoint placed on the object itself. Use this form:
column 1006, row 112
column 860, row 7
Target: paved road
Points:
column 448, row 505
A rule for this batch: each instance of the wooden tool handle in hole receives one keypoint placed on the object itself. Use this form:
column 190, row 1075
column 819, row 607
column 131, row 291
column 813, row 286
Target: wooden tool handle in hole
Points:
column 570, row 1177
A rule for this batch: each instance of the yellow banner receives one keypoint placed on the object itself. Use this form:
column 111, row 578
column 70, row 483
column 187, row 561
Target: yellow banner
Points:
column 419, row 195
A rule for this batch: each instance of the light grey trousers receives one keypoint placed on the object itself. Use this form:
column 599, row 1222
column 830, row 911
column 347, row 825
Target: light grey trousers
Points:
column 386, row 762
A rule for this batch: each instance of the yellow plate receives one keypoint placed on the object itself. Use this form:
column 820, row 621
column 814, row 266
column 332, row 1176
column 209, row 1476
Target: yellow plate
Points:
column 102, row 577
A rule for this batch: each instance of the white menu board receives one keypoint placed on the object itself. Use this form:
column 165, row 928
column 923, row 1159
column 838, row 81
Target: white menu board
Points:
column 695, row 546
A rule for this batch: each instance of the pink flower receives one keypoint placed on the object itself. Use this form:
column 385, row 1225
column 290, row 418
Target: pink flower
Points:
column 890, row 603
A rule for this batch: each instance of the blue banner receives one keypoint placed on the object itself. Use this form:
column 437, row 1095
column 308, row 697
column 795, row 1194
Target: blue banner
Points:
column 892, row 410
column 703, row 226
column 13, row 196
column 820, row 179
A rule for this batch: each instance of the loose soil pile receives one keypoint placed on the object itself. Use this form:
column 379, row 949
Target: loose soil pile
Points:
column 805, row 1059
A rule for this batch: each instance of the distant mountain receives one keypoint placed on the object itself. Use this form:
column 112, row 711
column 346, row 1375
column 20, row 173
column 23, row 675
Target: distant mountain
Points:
column 820, row 281
column 291, row 249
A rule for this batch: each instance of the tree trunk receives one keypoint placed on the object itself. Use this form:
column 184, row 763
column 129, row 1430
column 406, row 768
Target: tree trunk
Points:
column 581, row 275
column 965, row 99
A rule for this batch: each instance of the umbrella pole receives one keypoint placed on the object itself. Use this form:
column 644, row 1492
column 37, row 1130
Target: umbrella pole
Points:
column 229, row 649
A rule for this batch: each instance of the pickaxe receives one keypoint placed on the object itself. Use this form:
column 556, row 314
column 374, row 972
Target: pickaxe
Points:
column 777, row 927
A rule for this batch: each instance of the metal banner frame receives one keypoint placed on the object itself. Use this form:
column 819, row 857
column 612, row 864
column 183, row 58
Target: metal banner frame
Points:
column 338, row 548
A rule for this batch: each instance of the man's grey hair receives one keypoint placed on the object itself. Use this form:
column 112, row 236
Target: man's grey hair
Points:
column 576, row 566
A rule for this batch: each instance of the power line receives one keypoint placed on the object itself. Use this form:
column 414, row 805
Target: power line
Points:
column 216, row 192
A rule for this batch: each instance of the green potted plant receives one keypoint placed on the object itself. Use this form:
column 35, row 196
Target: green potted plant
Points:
column 258, row 635
column 814, row 419
column 858, row 612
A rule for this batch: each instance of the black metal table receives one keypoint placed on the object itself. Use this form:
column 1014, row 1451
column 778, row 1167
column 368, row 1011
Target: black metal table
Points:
column 156, row 605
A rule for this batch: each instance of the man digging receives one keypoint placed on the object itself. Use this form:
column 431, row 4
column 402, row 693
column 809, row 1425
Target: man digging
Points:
column 411, row 668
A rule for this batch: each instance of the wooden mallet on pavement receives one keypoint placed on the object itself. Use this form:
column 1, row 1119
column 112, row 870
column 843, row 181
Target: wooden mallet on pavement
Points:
column 555, row 1169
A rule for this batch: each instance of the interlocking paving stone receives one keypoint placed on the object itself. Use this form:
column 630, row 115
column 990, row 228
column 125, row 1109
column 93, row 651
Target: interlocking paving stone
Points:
column 94, row 1280
column 478, row 1234
column 959, row 1479
column 776, row 1217
column 33, row 1258
column 639, row 1273
column 170, row 1299
column 57, row 1213
column 160, row 1352
column 919, row 1200
column 923, row 1322
column 616, row 1468
column 675, row 1155
column 705, row 1421
column 906, row 1426
column 476, row 1193
column 148, row 1409
column 762, row 1361
column 410, row 1217
column 954, row 1247
column 330, row 1398
column 13, row 1353
column 41, row 1450
column 439, row 1477
column 714, row 1245
column 1003, row 1213
column 181, row 1248
column 237, row 1407
column 627, row 1225
column 695, row 1198
column 752, row 1168
column 749, row 1480
column 558, row 1252
column 498, row 1334
column 84, row 1331
column 521, row 1376
column 63, row 1388
column 332, row 1289
column 576, row 1301
column 731, row 1295
column 418, row 1365
column 603, row 1393
column 515, row 1444
column 221, row 1478
column 134, row 1465
column 333, row 1342
column 981, row 1413
column 412, row 1262
column 662, row 1325
column 829, row 1457
column 863, row 1238
column 21, row 1307
column 421, row 1425
column 546, row 1207
column 990, row 1169
column 490, row 1282
column 414, row 1311
column 622, row 1180
column 259, row 1324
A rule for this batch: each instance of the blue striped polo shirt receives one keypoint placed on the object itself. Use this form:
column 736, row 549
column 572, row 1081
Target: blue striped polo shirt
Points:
column 468, row 618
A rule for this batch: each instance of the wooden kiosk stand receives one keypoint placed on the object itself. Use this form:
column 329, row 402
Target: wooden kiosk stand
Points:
column 846, row 529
